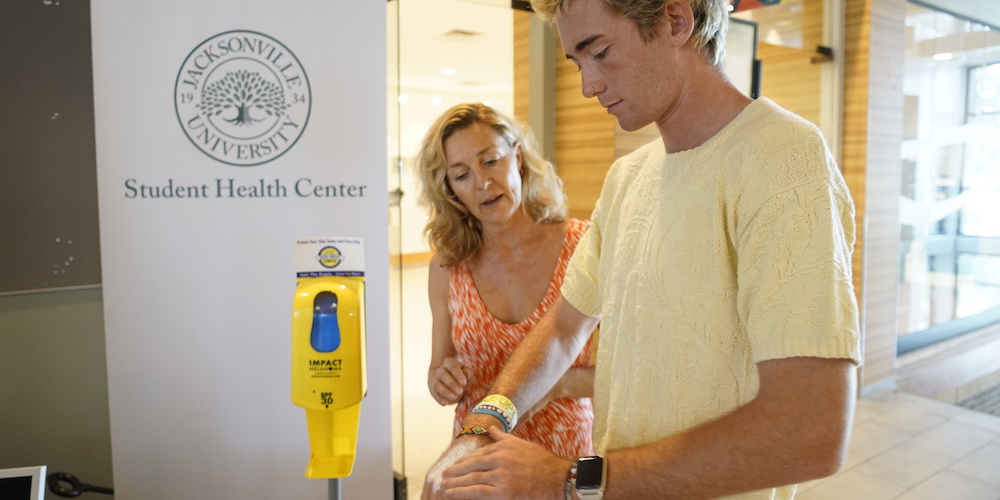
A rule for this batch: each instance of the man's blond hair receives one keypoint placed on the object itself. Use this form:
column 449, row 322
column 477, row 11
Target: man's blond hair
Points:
column 711, row 20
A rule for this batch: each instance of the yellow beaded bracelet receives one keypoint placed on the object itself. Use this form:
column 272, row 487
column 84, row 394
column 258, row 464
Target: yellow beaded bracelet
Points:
column 502, row 401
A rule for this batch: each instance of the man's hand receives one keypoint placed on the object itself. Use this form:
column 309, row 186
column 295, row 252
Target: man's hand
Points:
column 460, row 447
column 511, row 468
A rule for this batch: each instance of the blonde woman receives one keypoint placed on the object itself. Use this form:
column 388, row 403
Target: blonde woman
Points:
column 501, row 241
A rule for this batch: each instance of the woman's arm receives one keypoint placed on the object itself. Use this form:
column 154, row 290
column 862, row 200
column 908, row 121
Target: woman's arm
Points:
column 446, row 377
column 577, row 382
column 543, row 359
column 547, row 351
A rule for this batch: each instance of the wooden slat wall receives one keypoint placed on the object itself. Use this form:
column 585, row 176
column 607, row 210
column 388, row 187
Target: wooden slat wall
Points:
column 873, row 128
column 522, row 94
column 626, row 142
column 855, row 135
column 791, row 80
column 812, row 24
column 585, row 139
column 789, row 77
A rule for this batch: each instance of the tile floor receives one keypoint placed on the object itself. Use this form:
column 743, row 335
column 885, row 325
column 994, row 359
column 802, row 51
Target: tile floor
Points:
column 903, row 447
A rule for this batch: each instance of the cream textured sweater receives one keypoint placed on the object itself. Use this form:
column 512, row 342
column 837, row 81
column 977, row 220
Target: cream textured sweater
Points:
column 703, row 263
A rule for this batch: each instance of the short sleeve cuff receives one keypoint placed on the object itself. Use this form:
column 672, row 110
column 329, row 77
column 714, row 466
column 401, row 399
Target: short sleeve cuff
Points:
column 578, row 297
column 846, row 347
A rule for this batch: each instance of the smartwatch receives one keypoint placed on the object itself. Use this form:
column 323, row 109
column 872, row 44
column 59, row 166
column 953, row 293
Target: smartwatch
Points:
column 590, row 473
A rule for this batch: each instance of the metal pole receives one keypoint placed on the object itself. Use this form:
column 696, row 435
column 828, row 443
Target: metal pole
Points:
column 334, row 489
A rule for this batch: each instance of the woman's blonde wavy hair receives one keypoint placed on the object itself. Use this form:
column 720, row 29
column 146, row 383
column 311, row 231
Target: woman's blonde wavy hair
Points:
column 453, row 233
column 711, row 20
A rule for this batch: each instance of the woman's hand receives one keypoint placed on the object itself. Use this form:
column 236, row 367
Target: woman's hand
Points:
column 448, row 381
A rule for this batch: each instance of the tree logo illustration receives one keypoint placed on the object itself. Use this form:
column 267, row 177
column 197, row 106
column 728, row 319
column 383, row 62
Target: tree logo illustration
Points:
column 242, row 98
column 243, row 92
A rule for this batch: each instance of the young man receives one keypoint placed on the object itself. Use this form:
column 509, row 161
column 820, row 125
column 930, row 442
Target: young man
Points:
column 719, row 266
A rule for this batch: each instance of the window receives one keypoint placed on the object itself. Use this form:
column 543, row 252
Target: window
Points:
column 950, row 244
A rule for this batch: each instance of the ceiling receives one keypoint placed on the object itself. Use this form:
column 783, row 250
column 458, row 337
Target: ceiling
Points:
column 938, row 38
column 983, row 11
column 472, row 37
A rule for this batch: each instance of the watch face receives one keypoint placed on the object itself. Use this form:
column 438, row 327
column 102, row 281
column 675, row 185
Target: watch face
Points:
column 590, row 473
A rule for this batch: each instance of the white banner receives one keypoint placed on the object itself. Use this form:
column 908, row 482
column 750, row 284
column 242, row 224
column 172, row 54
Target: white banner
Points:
column 225, row 131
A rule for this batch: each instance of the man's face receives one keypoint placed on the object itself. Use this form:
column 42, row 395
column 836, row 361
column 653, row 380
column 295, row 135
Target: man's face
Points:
column 634, row 80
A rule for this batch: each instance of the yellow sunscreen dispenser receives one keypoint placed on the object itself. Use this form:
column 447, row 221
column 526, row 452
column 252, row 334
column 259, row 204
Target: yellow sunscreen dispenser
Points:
column 328, row 349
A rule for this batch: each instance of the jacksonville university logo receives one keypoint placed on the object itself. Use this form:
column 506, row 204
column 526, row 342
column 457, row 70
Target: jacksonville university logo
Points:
column 242, row 98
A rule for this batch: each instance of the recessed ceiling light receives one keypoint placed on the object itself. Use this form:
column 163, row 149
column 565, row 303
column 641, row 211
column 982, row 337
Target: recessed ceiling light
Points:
column 460, row 33
column 436, row 102
column 448, row 71
column 943, row 56
column 403, row 99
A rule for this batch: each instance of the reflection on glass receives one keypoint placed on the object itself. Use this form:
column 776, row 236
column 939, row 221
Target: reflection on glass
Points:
column 982, row 181
column 950, row 229
column 978, row 283
column 442, row 52
column 782, row 23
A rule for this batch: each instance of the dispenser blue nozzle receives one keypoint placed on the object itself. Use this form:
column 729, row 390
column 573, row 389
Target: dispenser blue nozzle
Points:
column 325, row 335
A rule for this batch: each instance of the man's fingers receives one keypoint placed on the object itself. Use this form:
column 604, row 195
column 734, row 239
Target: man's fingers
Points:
column 469, row 469
column 472, row 490
column 480, row 477
column 483, row 459
column 498, row 434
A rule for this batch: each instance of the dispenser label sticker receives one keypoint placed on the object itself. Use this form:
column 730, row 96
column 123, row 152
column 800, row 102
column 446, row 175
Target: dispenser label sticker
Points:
column 325, row 368
column 331, row 256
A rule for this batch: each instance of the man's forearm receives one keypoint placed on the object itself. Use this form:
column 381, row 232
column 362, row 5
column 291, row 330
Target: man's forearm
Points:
column 542, row 357
column 789, row 434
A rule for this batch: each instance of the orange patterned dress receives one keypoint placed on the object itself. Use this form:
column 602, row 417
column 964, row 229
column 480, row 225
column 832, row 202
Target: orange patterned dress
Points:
column 484, row 343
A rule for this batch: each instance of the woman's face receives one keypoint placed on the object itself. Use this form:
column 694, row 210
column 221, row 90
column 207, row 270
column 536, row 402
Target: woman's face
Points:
column 483, row 172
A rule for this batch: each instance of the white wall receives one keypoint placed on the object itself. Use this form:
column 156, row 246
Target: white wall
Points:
column 198, row 290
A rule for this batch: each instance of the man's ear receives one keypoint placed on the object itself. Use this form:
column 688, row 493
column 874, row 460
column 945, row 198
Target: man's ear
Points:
column 678, row 19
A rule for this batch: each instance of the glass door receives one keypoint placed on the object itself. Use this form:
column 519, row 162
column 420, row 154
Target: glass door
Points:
column 950, row 240
column 441, row 53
